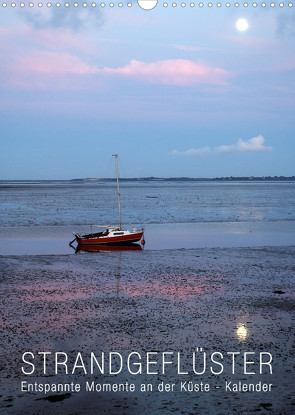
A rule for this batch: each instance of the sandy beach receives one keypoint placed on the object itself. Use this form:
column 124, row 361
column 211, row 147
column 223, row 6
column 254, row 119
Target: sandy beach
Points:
column 220, row 300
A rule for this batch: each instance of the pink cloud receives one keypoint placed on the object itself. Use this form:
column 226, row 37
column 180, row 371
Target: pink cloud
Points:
column 47, row 59
column 47, row 70
column 172, row 72
column 56, row 39
column 52, row 63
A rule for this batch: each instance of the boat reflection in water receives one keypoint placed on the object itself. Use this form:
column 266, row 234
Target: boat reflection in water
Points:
column 108, row 248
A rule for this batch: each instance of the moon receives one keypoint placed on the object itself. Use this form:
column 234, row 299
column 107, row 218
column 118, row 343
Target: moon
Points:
column 242, row 25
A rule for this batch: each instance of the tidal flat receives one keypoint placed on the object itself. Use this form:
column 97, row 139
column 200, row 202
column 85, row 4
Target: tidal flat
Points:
column 210, row 300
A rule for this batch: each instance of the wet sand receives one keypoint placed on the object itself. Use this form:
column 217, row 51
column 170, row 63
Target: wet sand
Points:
column 223, row 300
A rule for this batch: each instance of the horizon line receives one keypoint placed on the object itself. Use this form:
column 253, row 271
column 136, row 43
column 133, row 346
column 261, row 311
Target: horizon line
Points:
column 158, row 178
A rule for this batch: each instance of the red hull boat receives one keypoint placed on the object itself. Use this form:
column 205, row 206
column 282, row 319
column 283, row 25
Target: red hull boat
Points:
column 112, row 235
column 109, row 237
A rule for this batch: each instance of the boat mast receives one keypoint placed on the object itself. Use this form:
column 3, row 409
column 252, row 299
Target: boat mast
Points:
column 118, row 188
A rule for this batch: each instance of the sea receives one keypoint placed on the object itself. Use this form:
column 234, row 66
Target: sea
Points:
column 40, row 217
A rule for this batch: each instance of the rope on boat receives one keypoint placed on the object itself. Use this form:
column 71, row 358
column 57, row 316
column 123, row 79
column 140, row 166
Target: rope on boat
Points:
column 71, row 243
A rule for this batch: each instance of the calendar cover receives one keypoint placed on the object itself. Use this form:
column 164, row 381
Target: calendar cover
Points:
column 147, row 207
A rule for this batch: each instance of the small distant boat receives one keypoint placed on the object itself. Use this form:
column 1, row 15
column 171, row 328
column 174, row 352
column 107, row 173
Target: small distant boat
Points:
column 112, row 235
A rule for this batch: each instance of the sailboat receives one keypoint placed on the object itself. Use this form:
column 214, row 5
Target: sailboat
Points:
column 111, row 235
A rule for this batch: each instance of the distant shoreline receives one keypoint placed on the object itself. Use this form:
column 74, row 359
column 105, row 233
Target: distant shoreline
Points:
column 162, row 179
column 192, row 179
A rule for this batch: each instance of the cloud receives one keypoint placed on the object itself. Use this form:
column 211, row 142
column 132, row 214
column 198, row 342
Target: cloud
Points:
column 191, row 152
column 252, row 145
column 47, row 59
column 73, row 18
column 172, row 72
column 190, row 48
column 56, row 39
column 286, row 25
column 47, row 71
column 254, row 42
column 255, row 144
column 52, row 63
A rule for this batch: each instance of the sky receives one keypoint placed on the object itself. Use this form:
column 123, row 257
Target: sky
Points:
column 175, row 91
